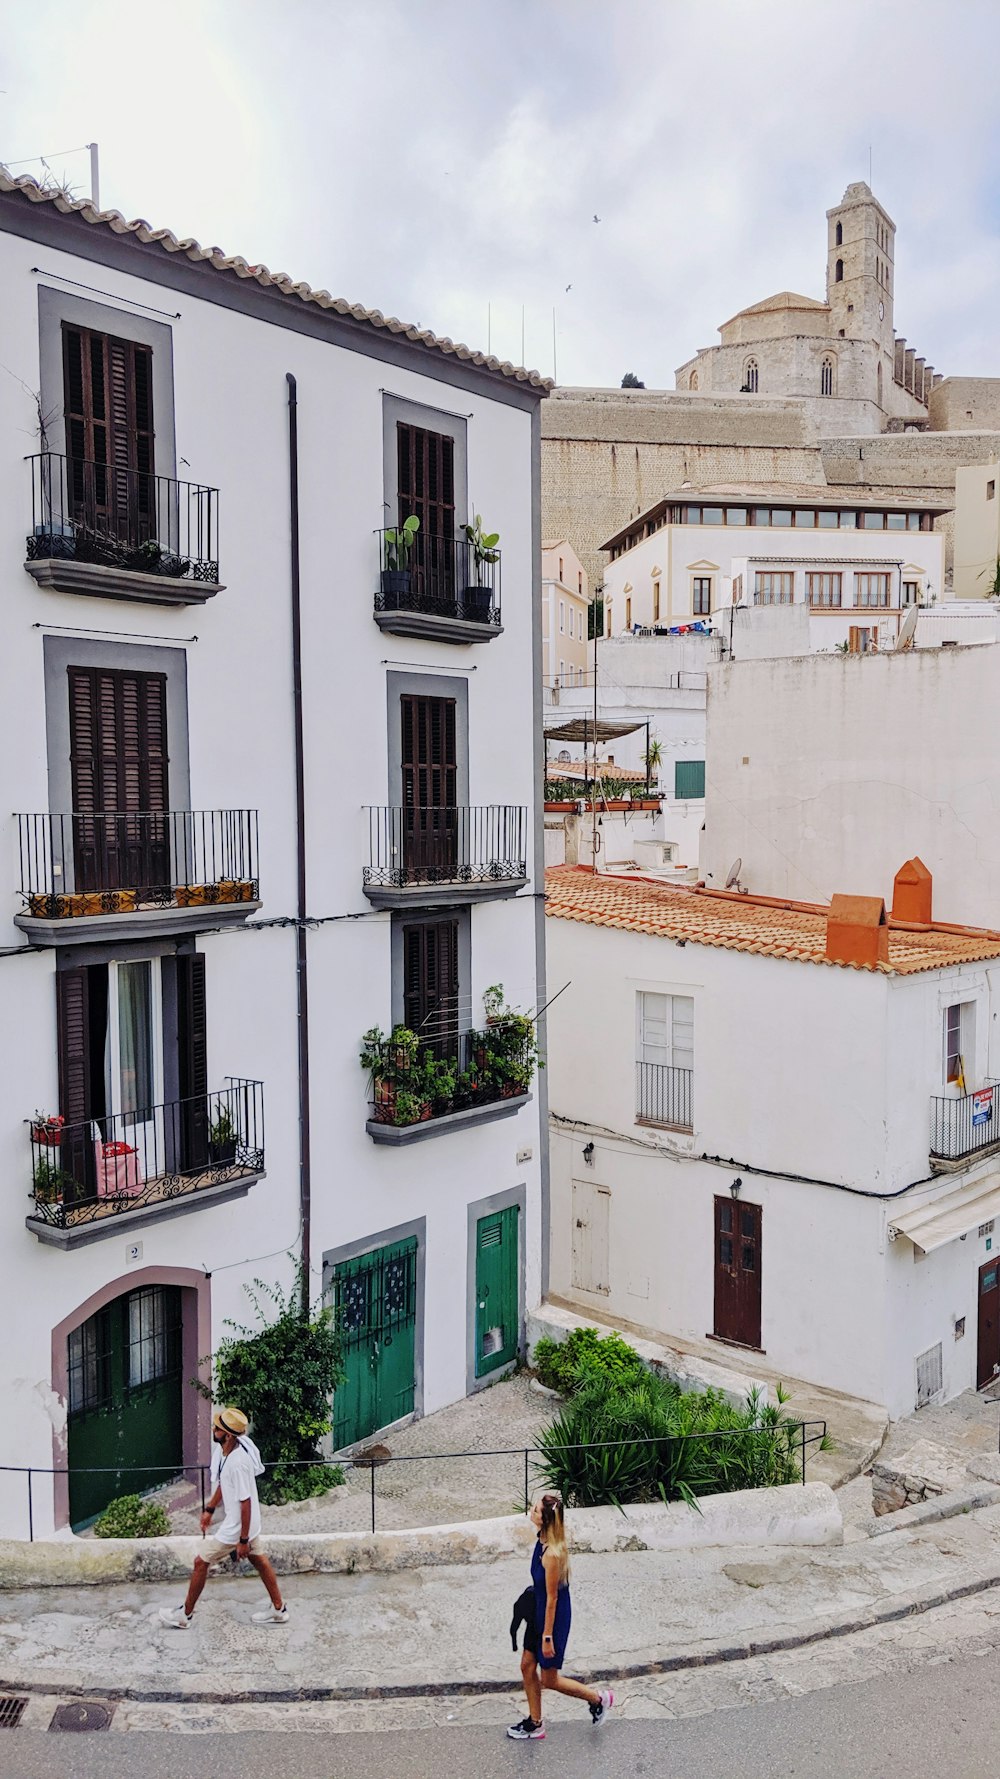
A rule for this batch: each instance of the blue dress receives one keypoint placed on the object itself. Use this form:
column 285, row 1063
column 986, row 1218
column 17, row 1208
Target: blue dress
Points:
column 564, row 1611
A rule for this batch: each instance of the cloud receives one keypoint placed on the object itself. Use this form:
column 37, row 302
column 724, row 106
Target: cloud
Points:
column 443, row 160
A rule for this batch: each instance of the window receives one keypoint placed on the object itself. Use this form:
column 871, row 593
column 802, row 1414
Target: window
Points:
column 153, row 1335
column 560, row 571
column 781, row 515
column 736, row 515
column 860, row 639
column 848, row 521
column 693, row 380
column 826, row 377
column 712, row 516
column 579, row 583
column 773, row 587
column 895, row 521
column 562, row 616
column 628, row 614
column 656, row 602
column 804, row 519
column 911, row 592
column 839, row 237
column 607, row 610
column 839, row 272
column 701, row 595
column 823, row 588
column 430, row 983
column 873, row 521
column 664, row 1058
column 959, row 1043
column 108, row 404
column 562, row 672
column 871, row 589
column 991, row 490
column 692, row 515
column 762, row 515
column 750, row 377
column 425, row 485
column 689, row 780
column 89, row 1356
column 827, row 521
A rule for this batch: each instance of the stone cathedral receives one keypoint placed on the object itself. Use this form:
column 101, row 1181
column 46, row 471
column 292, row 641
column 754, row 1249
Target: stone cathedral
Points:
column 842, row 354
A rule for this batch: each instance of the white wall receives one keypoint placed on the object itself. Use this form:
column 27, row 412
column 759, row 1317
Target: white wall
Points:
column 893, row 755
column 231, row 422
column 977, row 529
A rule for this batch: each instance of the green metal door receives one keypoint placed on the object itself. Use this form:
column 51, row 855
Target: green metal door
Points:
column 496, row 1290
column 124, row 1367
column 375, row 1296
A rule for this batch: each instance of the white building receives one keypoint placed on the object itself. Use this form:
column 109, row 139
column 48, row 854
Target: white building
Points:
column 977, row 531
column 565, row 616
column 854, row 562
column 774, row 1127
column 274, row 778
column 824, row 771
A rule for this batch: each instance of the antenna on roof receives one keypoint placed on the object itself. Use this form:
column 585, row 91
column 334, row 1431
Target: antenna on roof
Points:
column 733, row 880
column 907, row 630
column 95, row 178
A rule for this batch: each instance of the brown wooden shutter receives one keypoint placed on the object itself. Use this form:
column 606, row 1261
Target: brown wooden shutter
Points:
column 426, row 487
column 430, row 983
column 108, row 406
column 119, row 766
column 74, row 1066
column 429, row 787
column 192, row 1060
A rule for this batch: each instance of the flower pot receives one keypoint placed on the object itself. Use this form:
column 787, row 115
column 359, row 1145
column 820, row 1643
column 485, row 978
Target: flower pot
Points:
column 222, row 1154
column 235, row 890
column 477, row 603
column 395, row 584
column 49, row 1135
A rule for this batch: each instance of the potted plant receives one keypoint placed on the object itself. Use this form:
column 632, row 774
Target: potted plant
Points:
column 397, row 545
column 391, row 1062
column 49, row 1182
column 47, row 1128
column 477, row 599
column 411, row 1108
column 222, row 1139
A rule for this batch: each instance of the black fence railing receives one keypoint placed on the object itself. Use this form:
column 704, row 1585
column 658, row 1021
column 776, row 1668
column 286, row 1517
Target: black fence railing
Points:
column 84, row 1172
column 663, row 1095
column 414, row 1080
column 76, row 863
column 122, row 518
column 411, row 845
column 965, row 1123
column 439, row 576
column 789, row 1435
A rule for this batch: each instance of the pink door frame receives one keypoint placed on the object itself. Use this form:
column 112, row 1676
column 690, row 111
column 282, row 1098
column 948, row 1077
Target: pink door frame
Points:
column 196, row 1345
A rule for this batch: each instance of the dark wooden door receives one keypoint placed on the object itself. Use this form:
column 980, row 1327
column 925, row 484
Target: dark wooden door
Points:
column 425, row 484
column 737, row 1271
column 430, row 983
column 430, row 789
column 118, row 773
column 988, row 1353
column 108, row 398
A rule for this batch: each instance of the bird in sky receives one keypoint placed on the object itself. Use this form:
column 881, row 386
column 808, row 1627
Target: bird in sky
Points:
column 597, row 219
column 569, row 287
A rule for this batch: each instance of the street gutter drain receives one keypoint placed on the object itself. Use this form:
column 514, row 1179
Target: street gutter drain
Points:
column 82, row 1714
column 11, row 1711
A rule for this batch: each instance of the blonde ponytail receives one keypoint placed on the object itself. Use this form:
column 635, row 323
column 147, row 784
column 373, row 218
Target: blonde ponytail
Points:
column 552, row 1532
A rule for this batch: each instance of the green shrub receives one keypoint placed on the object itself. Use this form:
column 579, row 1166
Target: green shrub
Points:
column 635, row 1426
column 282, row 1374
column 132, row 1517
column 564, row 1365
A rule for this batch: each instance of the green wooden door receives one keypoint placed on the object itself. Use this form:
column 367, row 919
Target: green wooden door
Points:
column 496, row 1290
column 125, row 1432
column 375, row 1296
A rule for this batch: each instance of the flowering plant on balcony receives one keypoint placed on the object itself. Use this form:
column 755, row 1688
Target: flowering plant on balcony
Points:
column 46, row 1128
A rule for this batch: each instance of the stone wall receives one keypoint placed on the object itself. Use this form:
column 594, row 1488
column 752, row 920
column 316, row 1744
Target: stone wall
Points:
column 958, row 403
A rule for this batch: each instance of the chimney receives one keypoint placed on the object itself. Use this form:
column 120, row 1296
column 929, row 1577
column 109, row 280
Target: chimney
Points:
column 911, row 894
column 856, row 931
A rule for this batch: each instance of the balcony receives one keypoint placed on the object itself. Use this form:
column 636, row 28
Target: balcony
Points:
column 108, row 1175
column 963, row 1125
column 436, row 587
column 663, row 1095
column 121, row 533
column 419, row 857
column 85, row 876
column 424, row 1089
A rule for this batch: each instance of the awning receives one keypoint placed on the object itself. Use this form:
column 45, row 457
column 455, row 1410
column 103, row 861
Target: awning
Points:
column 584, row 729
column 950, row 1216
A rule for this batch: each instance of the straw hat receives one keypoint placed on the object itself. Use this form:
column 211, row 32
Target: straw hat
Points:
column 232, row 1420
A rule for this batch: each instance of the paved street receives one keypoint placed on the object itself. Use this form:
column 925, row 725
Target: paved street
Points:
column 941, row 1719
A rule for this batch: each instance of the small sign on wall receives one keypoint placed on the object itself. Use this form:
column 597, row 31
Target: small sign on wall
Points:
column 982, row 1107
column 133, row 1254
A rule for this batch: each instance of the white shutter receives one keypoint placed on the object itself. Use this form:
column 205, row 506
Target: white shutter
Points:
column 654, row 1028
column 682, row 1007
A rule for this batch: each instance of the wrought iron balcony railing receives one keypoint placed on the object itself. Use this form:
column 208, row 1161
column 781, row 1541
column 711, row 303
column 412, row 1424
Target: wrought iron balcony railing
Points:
column 122, row 518
column 462, row 845
column 414, row 1082
column 83, row 1173
column 663, row 1095
column 964, row 1123
column 438, row 576
column 77, row 864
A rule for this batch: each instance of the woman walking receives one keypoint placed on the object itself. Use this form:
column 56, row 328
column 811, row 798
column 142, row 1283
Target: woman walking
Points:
column 545, row 1646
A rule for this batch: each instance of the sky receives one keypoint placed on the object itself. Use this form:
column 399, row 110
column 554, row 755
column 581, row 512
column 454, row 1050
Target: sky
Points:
column 445, row 160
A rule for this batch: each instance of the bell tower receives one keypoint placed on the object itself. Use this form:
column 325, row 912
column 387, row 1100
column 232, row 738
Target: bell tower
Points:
column 861, row 269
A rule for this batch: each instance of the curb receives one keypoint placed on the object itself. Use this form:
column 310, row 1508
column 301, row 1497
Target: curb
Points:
column 708, row 1656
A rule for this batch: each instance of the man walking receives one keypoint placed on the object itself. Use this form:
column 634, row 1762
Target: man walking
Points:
column 239, row 1467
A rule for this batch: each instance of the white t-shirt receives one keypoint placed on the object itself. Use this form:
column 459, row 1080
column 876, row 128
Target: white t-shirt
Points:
column 238, row 1483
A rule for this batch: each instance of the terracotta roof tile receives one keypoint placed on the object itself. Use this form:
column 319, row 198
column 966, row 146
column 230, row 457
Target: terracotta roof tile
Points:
column 757, row 924
column 234, row 265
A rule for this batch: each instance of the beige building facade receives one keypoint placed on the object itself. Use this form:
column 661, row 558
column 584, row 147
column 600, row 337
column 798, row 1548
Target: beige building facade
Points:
column 565, row 608
column 977, row 530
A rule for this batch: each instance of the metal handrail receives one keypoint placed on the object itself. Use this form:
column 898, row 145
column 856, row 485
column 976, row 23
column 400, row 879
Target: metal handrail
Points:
column 457, row 843
column 116, row 517
column 137, row 856
column 439, row 576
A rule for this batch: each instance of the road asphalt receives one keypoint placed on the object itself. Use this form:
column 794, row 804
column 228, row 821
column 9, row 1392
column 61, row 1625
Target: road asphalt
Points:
column 942, row 1720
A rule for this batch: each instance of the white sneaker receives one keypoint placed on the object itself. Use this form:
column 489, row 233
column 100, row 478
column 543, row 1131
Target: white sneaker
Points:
column 599, row 1713
column 175, row 1617
column 275, row 1615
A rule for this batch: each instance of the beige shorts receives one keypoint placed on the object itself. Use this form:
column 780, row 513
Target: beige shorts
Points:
column 214, row 1551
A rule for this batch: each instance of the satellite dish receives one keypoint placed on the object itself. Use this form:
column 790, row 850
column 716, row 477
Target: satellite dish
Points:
column 732, row 881
column 907, row 630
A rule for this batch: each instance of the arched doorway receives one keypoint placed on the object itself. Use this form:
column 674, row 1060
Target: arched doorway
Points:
column 122, row 1364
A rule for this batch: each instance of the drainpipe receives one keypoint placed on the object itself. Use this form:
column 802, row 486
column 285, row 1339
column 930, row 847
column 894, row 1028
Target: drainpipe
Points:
column 301, row 957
